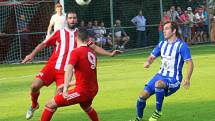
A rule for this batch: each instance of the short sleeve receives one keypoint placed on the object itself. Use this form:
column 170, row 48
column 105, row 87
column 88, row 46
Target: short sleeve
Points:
column 52, row 20
column 51, row 40
column 157, row 50
column 185, row 52
column 73, row 58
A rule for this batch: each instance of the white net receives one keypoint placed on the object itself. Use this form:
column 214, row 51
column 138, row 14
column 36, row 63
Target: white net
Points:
column 23, row 25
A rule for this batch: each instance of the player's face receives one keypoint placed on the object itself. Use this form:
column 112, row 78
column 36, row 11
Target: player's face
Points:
column 59, row 9
column 168, row 33
column 72, row 20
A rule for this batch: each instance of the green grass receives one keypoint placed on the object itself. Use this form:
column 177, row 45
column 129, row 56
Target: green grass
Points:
column 120, row 79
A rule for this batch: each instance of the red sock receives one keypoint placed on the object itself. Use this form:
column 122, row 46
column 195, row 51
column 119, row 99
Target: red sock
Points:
column 47, row 114
column 34, row 98
column 93, row 115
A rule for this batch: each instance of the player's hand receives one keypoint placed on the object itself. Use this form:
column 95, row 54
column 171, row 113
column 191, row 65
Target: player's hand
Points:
column 186, row 84
column 59, row 89
column 146, row 64
column 65, row 94
column 115, row 52
column 27, row 58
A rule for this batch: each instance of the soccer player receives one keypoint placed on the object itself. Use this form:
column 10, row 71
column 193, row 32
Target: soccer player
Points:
column 174, row 52
column 64, row 41
column 58, row 20
column 83, row 61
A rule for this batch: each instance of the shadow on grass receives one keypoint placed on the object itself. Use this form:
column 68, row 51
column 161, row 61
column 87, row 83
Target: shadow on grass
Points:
column 190, row 111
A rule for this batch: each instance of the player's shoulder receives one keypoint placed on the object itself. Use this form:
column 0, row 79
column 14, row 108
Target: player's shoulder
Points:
column 182, row 43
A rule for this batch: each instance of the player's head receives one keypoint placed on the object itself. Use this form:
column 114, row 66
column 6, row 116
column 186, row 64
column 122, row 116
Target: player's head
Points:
column 82, row 35
column 170, row 30
column 58, row 8
column 72, row 20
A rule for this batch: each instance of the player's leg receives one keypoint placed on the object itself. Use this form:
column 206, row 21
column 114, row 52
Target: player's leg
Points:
column 160, row 86
column 44, row 78
column 144, row 95
column 141, row 104
column 34, row 92
column 91, row 112
column 49, row 110
column 59, row 81
column 163, row 87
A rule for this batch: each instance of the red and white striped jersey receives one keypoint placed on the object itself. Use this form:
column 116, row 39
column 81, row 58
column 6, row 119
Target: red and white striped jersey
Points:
column 64, row 41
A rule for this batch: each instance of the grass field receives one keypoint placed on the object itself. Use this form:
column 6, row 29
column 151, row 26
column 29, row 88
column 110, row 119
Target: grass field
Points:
column 120, row 79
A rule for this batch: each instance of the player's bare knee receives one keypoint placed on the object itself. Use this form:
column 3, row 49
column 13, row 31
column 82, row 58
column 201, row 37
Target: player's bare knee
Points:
column 160, row 84
column 144, row 95
column 51, row 104
column 36, row 85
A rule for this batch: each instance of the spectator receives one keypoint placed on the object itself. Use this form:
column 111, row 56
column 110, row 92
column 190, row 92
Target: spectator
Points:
column 24, row 38
column 206, row 23
column 213, row 30
column 119, row 36
column 140, row 22
column 166, row 17
column 82, row 24
column 90, row 29
column 173, row 14
column 190, row 23
column 199, row 26
column 181, row 20
column 102, row 36
column 96, row 29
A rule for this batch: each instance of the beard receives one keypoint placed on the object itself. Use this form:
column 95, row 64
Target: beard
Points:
column 72, row 26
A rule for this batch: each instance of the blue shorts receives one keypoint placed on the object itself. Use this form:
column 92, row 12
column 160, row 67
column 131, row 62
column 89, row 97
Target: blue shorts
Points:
column 172, row 84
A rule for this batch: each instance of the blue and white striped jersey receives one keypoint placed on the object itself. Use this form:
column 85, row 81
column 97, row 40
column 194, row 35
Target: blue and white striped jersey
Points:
column 173, row 56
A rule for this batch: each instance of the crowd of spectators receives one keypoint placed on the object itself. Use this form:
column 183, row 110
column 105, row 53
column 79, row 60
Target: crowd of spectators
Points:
column 103, row 36
column 193, row 21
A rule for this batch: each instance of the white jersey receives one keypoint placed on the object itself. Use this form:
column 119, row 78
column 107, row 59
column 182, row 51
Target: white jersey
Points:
column 58, row 21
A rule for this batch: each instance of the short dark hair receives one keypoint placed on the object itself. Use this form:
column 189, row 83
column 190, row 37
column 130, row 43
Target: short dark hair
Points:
column 82, row 34
column 70, row 12
column 174, row 25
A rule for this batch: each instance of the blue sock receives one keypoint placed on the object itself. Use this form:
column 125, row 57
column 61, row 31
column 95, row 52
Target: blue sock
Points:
column 159, row 98
column 141, row 104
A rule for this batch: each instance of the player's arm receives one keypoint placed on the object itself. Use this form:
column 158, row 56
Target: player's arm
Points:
column 154, row 54
column 190, row 67
column 51, row 24
column 34, row 52
column 67, row 78
column 49, row 29
column 149, row 61
column 101, row 51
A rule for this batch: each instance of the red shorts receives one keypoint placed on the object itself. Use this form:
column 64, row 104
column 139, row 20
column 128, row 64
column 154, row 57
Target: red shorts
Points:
column 49, row 74
column 75, row 97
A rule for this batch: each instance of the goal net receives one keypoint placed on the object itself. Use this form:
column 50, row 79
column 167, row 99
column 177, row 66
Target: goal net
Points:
column 23, row 25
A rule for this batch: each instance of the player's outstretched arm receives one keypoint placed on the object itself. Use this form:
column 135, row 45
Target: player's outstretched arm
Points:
column 149, row 61
column 190, row 68
column 33, row 53
column 101, row 51
column 67, row 78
